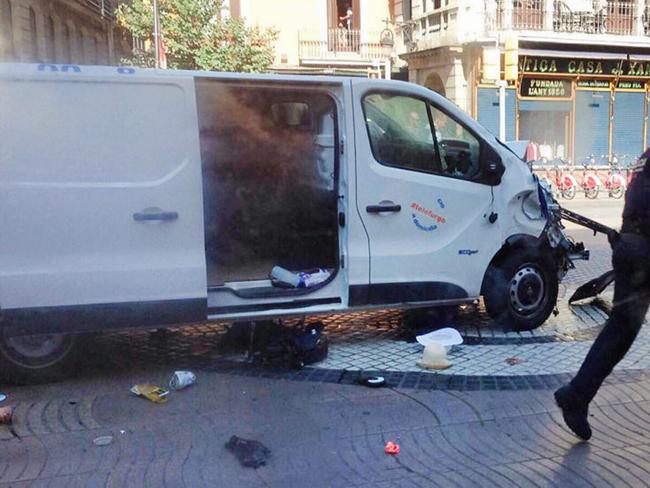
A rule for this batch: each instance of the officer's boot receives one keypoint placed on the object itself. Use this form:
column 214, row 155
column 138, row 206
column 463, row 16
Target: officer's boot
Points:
column 574, row 411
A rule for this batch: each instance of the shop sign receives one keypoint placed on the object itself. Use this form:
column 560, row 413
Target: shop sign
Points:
column 578, row 66
column 545, row 88
column 630, row 85
column 593, row 84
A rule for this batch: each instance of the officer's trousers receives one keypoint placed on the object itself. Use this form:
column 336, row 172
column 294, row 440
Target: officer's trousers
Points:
column 631, row 299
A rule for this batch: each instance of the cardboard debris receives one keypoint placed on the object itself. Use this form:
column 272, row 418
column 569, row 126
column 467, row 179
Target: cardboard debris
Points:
column 150, row 392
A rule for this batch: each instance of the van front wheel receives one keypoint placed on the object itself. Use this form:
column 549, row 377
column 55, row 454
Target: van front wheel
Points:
column 520, row 291
column 36, row 358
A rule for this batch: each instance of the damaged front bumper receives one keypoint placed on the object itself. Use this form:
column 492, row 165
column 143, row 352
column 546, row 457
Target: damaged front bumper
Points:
column 566, row 251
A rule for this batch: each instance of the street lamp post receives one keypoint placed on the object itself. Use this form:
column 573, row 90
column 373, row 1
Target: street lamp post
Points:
column 156, row 32
column 387, row 43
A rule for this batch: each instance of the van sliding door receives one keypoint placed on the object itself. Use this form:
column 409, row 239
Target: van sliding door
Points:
column 270, row 186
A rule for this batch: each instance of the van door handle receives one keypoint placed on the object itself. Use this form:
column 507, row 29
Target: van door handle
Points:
column 384, row 207
column 155, row 216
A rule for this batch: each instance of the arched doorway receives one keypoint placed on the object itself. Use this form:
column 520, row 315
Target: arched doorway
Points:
column 434, row 83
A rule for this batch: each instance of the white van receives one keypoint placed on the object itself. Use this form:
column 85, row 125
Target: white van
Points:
column 133, row 198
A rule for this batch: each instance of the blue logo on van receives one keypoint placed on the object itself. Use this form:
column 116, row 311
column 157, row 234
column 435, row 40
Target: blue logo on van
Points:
column 425, row 228
column 467, row 252
column 123, row 70
column 64, row 68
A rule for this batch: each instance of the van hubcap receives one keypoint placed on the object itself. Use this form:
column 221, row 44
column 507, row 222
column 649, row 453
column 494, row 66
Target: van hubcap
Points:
column 527, row 290
column 35, row 351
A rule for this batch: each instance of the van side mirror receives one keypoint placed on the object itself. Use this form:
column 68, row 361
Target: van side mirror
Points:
column 494, row 168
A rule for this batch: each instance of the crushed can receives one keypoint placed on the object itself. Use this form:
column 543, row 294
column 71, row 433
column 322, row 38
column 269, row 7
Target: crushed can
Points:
column 182, row 379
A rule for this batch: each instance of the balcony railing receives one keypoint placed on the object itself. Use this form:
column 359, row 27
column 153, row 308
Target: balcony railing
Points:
column 341, row 44
column 105, row 8
column 594, row 17
column 525, row 15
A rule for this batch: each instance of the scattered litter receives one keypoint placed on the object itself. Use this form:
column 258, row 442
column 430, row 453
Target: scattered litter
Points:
column 283, row 278
column 250, row 453
column 446, row 337
column 391, row 448
column 122, row 432
column 153, row 393
column 182, row 379
column 104, row 440
column 373, row 381
column 515, row 360
column 6, row 415
column 434, row 357
column 3, row 397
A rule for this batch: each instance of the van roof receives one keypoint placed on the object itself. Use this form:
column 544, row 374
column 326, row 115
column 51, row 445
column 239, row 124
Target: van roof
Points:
column 119, row 72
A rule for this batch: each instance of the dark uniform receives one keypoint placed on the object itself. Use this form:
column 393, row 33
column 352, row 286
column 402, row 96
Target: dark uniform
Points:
column 631, row 261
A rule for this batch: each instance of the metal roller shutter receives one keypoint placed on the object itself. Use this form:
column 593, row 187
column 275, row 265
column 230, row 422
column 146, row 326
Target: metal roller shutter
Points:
column 545, row 106
column 488, row 111
column 592, row 124
column 628, row 125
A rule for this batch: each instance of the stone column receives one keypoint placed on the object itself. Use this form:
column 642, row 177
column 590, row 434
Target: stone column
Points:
column 59, row 41
column 41, row 48
column 76, row 52
column 506, row 20
column 84, row 37
column 20, row 24
column 110, row 44
column 102, row 48
column 639, row 11
column 549, row 12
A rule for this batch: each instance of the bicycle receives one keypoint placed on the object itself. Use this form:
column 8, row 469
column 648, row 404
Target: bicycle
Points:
column 616, row 183
column 590, row 183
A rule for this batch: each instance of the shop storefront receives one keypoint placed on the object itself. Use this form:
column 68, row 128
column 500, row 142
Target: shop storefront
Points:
column 574, row 107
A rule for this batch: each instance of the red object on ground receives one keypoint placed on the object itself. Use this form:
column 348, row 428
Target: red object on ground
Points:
column 391, row 448
column 6, row 414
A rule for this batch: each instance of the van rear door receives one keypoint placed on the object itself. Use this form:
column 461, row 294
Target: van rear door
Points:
column 100, row 190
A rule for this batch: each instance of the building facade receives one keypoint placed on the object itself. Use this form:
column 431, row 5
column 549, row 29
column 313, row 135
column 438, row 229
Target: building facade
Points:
column 584, row 69
column 324, row 36
column 60, row 31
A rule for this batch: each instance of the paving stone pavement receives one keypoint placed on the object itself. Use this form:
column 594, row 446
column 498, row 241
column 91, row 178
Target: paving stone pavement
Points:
column 320, row 435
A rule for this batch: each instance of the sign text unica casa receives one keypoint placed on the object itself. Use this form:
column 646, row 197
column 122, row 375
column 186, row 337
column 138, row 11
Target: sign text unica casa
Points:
column 576, row 66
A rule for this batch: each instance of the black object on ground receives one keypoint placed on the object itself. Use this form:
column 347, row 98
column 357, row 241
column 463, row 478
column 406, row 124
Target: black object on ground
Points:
column 306, row 344
column 593, row 287
column 250, row 453
column 274, row 342
column 372, row 381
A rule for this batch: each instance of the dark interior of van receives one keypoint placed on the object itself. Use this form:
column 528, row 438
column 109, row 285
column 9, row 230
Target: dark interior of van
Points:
column 269, row 179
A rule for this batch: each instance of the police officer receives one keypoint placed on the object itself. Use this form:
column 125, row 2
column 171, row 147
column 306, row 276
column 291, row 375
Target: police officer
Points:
column 631, row 261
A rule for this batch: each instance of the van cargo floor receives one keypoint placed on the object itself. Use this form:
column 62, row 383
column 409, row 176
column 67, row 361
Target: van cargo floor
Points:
column 254, row 269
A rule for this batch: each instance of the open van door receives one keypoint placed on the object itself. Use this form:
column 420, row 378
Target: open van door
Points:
column 100, row 190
